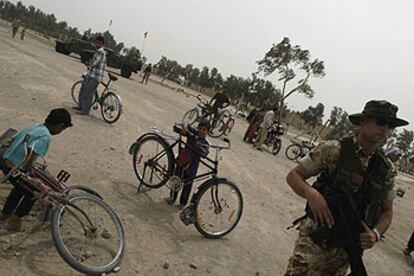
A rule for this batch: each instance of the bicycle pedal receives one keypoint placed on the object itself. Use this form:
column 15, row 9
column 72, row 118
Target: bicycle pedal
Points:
column 63, row 176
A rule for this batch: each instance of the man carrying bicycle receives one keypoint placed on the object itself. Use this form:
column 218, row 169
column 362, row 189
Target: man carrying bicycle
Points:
column 96, row 70
column 188, row 160
column 20, row 201
column 220, row 100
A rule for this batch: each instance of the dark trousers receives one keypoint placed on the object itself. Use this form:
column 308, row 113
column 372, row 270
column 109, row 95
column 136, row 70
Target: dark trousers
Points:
column 249, row 134
column 19, row 201
column 86, row 94
column 410, row 244
column 145, row 78
column 187, row 186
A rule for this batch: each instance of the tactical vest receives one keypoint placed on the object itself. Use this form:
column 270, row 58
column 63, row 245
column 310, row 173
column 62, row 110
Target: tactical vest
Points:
column 367, row 187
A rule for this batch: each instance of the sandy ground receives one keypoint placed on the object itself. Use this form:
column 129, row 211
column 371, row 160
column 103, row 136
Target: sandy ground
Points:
column 34, row 79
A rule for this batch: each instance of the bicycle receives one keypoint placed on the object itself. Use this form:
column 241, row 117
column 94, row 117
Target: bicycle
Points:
column 223, row 124
column 216, row 203
column 109, row 101
column 298, row 149
column 204, row 111
column 84, row 228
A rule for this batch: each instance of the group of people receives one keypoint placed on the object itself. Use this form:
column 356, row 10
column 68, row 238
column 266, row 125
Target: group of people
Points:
column 355, row 166
column 259, row 126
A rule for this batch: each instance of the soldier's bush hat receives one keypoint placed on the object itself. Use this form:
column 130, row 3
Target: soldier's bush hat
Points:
column 381, row 110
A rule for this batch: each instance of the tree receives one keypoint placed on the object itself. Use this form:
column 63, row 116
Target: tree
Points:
column 169, row 69
column 290, row 63
column 340, row 124
column 204, row 79
column 392, row 139
column 132, row 54
column 404, row 141
column 313, row 115
column 236, row 87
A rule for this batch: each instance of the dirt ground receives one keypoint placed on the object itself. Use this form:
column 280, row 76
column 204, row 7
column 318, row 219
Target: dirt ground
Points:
column 34, row 79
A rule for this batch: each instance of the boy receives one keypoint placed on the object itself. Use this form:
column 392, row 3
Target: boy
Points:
column 20, row 201
column 197, row 147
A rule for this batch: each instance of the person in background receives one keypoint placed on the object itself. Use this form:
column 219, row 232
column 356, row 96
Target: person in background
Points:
column 96, row 70
column 147, row 73
column 267, row 122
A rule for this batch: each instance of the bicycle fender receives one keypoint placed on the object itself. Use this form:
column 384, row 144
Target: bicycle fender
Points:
column 203, row 186
column 83, row 188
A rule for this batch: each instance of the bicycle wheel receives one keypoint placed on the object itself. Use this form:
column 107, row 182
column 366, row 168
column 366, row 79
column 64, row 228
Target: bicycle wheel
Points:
column 76, row 87
column 218, row 209
column 229, row 127
column 88, row 234
column 191, row 116
column 111, row 107
column 153, row 161
column 293, row 151
column 217, row 128
column 277, row 145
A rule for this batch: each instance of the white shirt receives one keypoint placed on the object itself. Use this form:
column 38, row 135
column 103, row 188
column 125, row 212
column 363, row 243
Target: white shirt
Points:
column 268, row 119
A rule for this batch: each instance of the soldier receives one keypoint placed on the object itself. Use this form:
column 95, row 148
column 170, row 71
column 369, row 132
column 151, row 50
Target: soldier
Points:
column 147, row 73
column 357, row 166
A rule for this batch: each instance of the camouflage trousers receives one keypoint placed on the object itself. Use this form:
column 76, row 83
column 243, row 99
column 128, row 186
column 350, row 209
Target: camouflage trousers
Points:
column 310, row 259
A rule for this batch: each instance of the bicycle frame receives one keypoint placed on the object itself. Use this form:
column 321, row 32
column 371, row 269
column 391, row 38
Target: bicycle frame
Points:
column 211, row 164
column 57, row 190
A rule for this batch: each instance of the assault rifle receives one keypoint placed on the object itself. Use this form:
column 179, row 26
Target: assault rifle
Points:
column 346, row 230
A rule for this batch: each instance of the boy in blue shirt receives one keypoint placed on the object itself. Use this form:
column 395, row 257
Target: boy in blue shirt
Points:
column 196, row 139
column 20, row 201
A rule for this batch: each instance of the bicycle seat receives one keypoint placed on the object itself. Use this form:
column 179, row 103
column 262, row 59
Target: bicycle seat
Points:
column 112, row 77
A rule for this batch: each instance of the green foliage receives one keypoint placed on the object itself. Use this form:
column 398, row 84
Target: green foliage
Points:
column 340, row 124
column 47, row 24
column 132, row 54
column 169, row 69
column 37, row 20
column 313, row 115
column 405, row 140
column 289, row 63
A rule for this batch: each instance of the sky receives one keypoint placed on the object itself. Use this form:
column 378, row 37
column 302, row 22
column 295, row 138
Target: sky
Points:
column 367, row 46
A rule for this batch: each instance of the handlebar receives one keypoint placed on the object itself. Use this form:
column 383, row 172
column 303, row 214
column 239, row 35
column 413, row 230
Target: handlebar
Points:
column 228, row 146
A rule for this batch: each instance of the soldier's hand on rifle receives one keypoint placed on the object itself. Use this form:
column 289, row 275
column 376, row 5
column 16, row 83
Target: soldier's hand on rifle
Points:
column 319, row 208
column 368, row 238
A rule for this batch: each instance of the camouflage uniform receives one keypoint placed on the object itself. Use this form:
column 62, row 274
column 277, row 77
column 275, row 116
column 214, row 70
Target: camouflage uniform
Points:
column 308, row 258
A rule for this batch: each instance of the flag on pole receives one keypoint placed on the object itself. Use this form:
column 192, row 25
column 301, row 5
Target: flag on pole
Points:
column 110, row 23
column 146, row 34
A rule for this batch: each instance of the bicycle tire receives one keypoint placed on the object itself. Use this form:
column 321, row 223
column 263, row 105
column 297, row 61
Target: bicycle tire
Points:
column 137, row 159
column 114, row 105
column 293, row 151
column 277, row 145
column 229, row 127
column 62, row 247
column 75, row 91
column 191, row 115
column 219, row 125
column 199, row 222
